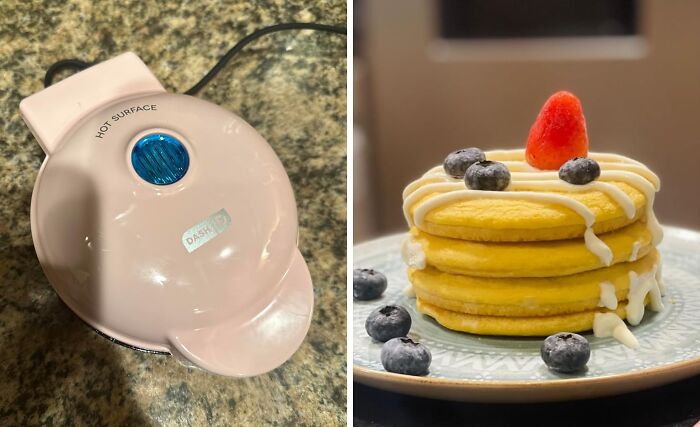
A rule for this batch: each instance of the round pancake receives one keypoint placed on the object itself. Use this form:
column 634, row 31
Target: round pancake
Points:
column 516, row 220
column 525, row 297
column 529, row 259
column 513, row 326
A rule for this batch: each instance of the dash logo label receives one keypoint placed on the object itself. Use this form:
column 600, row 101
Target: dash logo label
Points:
column 207, row 229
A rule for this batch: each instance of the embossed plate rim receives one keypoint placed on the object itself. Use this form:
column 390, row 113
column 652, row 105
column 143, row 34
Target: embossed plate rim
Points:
column 512, row 391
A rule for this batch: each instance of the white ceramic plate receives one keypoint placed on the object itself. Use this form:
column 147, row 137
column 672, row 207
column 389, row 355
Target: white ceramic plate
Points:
column 497, row 369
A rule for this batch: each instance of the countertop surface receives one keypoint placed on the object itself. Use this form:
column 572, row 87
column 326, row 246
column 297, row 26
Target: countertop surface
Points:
column 291, row 86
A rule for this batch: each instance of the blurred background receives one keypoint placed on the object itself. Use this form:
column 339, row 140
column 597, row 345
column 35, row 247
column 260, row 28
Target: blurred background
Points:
column 431, row 77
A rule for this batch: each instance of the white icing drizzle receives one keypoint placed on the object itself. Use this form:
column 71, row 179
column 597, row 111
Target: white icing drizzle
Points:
column 524, row 177
column 635, row 251
column 608, row 299
column 649, row 191
column 611, row 157
column 409, row 291
column 637, row 169
column 597, row 246
column 412, row 254
column 423, row 191
column 558, row 185
column 640, row 286
column 659, row 280
column 610, row 324
column 426, row 179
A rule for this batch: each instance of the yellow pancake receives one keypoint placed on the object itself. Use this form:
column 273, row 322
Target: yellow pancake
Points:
column 513, row 326
column 516, row 220
column 525, row 297
column 529, row 259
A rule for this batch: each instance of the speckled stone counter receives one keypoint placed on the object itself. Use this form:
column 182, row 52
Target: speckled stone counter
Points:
column 54, row 370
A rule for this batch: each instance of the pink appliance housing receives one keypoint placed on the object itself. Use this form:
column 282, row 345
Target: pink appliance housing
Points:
column 114, row 246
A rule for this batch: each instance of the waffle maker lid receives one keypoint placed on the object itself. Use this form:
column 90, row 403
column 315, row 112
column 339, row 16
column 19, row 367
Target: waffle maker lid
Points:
column 167, row 222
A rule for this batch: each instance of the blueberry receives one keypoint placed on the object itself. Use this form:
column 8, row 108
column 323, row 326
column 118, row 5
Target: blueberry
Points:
column 367, row 284
column 579, row 171
column 486, row 175
column 404, row 356
column 457, row 162
column 387, row 322
column 565, row 352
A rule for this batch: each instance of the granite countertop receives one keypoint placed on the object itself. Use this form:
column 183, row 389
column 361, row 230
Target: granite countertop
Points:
column 55, row 370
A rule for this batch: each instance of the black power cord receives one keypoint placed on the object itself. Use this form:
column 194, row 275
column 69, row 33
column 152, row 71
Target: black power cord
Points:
column 79, row 65
column 64, row 64
column 254, row 36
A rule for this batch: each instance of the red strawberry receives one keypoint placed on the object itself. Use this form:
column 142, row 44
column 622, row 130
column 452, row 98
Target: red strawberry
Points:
column 558, row 134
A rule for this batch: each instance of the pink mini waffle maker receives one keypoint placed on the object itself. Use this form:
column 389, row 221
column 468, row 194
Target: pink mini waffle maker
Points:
column 166, row 222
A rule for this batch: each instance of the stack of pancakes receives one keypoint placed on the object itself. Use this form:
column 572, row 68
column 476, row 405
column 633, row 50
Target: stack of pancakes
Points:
column 541, row 257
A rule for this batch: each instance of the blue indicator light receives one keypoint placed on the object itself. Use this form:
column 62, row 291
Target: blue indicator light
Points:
column 160, row 159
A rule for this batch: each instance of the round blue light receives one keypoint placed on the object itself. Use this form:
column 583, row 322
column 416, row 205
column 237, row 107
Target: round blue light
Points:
column 160, row 159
